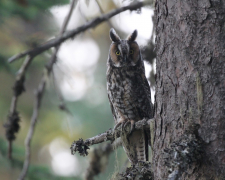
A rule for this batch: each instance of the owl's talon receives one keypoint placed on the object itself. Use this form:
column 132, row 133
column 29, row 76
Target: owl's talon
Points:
column 116, row 126
column 132, row 124
column 123, row 125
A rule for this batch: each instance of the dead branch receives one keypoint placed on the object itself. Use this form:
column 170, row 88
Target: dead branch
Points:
column 81, row 146
column 38, row 97
column 12, row 124
column 71, row 34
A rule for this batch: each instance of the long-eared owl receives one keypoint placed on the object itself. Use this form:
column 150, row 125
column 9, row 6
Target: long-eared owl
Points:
column 129, row 94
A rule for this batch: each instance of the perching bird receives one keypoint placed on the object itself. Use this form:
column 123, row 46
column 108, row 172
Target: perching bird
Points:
column 129, row 94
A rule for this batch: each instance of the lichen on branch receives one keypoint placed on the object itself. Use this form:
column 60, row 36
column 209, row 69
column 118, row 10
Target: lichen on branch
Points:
column 183, row 153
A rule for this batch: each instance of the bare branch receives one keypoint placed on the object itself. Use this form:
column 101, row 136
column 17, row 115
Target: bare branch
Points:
column 71, row 34
column 24, row 67
column 109, row 135
column 62, row 105
column 39, row 94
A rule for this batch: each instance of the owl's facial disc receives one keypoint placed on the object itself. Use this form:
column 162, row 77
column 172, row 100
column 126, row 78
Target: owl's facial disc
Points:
column 124, row 52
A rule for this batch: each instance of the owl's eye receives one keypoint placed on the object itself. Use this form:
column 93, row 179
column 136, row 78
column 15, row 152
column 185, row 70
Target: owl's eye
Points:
column 117, row 53
column 131, row 51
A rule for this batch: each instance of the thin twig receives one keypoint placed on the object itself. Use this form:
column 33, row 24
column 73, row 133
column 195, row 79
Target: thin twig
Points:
column 102, row 12
column 82, row 14
column 109, row 135
column 39, row 94
column 24, row 67
column 65, row 23
column 19, row 77
column 85, row 18
column 10, row 149
column 71, row 34
column 62, row 105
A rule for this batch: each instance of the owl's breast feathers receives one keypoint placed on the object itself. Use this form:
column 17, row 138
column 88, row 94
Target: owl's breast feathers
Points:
column 129, row 93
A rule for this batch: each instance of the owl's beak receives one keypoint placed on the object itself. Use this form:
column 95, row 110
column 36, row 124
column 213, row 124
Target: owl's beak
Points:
column 125, row 58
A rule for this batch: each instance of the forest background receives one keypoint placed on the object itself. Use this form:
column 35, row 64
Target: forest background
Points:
column 75, row 102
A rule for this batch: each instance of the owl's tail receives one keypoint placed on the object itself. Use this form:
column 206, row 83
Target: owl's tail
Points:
column 136, row 146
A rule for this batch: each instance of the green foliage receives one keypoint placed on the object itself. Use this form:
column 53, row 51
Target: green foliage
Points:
column 36, row 172
column 26, row 9
column 3, row 64
column 42, row 172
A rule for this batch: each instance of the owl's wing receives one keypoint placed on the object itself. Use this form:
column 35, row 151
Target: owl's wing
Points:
column 151, row 110
column 148, row 93
column 112, row 109
column 142, row 97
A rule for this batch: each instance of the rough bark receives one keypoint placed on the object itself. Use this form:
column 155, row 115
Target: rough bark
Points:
column 190, row 83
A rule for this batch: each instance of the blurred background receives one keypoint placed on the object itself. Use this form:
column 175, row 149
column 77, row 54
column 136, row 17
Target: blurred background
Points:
column 79, row 77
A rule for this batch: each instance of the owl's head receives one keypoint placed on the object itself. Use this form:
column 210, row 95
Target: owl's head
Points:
column 123, row 52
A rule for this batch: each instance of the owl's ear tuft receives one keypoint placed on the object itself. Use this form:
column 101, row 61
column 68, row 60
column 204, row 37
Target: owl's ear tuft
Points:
column 113, row 35
column 133, row 36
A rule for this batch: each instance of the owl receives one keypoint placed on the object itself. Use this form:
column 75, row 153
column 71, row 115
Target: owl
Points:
column 129, row 94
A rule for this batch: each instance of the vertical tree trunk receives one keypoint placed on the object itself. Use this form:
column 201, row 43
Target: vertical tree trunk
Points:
column 190, row 46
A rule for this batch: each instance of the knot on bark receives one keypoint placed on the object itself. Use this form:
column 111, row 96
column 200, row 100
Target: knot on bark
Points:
column 140, row 171
column 18, row 87
column 79, row 146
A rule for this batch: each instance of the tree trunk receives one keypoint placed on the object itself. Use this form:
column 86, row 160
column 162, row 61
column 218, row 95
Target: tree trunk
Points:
column 190, row 82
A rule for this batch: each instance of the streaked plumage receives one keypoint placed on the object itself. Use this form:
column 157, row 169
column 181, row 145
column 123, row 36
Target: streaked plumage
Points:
column 129, row 93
